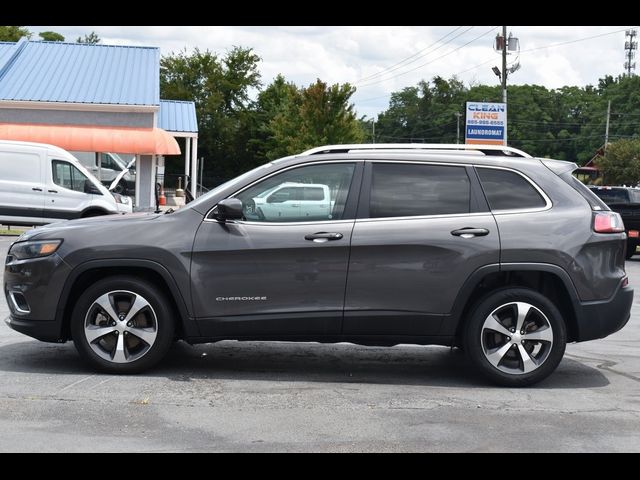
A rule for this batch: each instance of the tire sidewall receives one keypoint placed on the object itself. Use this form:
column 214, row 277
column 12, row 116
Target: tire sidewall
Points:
column 473, row 337
column 152, row 294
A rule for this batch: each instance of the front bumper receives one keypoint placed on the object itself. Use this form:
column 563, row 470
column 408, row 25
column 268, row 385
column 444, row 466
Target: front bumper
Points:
column 40, row 282
column 602, row 318
column 45, row 331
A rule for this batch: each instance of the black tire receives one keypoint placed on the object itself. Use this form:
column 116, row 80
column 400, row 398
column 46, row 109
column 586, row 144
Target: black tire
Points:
column 474, row 340
column 165, row 324
column 631, row 250
column 93, row 213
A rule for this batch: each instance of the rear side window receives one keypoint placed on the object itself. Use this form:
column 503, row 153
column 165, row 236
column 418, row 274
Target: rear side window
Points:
column 506, row 190
column 404, row 190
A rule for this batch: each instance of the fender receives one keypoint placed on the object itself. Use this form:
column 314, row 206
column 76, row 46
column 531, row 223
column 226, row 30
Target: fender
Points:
column 449, row 328
column 190, row 328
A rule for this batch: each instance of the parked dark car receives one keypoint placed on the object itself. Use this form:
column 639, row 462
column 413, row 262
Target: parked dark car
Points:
column 486, row 248
column 625, row 201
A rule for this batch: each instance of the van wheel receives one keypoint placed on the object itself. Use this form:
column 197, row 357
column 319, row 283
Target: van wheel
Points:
column 122, row 325
column 93, row 213
column 515, row 337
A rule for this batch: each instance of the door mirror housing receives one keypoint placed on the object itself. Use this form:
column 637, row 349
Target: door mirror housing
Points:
column 228, row 209
column 89, row 187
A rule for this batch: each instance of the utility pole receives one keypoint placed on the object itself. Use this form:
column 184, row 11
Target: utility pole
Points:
column 458, row 114
column 504, row 65
column 606, row 130
column 629, row 53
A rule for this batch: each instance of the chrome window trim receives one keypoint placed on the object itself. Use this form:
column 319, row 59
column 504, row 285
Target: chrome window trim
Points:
column 306, row 164
column 548, row 202
column 423, row 217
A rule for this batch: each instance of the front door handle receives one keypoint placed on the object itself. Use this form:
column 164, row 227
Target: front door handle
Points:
column 321, row 237
column 36, row 189
column 52, row 191
column 469, row 232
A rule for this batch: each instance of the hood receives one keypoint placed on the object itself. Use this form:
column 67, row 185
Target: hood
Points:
column 66, row 226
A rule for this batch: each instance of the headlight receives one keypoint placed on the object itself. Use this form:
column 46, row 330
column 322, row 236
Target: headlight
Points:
column 34, row 249
column 121, row 198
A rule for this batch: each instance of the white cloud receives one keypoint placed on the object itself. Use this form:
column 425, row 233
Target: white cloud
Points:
column 348, row 54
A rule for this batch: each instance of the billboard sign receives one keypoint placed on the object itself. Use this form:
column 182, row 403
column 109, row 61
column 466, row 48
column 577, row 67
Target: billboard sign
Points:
column 486, row 123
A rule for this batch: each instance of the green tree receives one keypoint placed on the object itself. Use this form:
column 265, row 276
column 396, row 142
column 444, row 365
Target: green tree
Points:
column 274, row 100
column 51, row 36
column 13, row 33
column 317, row 115
column 621, row 162
column 424, row 113
column 220, row 88
column 91, row 38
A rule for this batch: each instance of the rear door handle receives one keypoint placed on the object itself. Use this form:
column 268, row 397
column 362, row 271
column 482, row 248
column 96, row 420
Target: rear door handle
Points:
column 469, row 232
column 36, row 189
column 52, row 191
column 321, row 237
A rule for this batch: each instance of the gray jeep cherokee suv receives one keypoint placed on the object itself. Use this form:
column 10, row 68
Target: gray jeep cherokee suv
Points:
column 485, row 248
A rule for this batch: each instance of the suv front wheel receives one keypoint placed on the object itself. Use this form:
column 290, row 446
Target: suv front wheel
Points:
column 122, row 324
column 515, row 337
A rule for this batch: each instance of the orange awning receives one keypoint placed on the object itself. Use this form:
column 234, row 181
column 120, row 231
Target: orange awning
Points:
column 143, row 141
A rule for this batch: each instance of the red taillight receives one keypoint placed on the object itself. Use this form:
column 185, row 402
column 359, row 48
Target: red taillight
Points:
column 607, row 222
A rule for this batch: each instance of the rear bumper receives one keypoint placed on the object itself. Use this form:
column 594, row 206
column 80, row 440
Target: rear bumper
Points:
column 602, row 318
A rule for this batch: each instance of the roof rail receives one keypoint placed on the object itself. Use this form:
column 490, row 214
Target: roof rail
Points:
column 416, row 147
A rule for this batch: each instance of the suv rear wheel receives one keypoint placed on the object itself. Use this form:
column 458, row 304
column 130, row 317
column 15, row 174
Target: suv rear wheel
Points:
column 122, row 325
column 515, row 337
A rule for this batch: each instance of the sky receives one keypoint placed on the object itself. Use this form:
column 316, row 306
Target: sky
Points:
column 368, row 57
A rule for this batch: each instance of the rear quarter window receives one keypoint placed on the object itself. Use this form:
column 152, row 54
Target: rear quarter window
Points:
column 507, row 190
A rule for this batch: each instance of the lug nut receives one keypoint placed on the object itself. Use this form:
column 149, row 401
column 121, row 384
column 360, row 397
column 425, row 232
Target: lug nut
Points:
column 129, row 324
column 113, row 324
column 508, row 339
column 117, row 333
column 522, row 342
column 513, row 330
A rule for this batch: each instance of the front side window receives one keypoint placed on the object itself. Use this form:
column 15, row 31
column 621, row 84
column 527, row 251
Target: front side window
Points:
column 506, row 190
column 67, row 176
column 304, row 194
column 405, row 190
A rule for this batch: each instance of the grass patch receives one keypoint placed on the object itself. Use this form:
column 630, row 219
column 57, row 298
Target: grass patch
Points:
column 9, row 232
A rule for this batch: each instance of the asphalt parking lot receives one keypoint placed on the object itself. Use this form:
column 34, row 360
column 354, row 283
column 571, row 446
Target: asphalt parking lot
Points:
column 274, row 396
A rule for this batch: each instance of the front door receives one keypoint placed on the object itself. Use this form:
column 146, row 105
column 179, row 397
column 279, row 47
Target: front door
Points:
column 65, row 196
column 422, row 229
column 277, row 274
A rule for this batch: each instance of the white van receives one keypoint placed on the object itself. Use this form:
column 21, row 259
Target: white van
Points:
column 42, row 183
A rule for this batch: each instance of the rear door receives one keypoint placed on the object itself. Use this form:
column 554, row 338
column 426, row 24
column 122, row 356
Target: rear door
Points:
column 21, row 186
column 422, row 230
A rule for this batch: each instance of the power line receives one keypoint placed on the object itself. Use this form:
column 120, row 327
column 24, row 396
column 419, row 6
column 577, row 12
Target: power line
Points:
column 430, row 61
column 572, row 41
column 417, row 54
